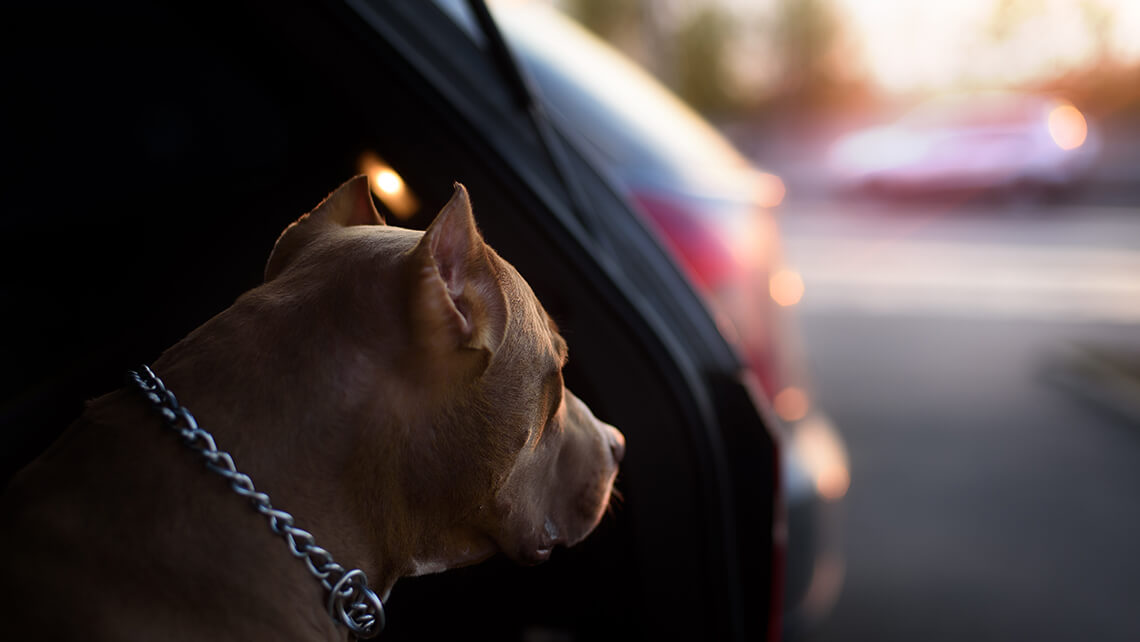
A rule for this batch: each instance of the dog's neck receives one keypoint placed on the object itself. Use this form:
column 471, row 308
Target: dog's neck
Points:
column 133, row 531
column 130, row 501
column 356, row 507
column 136, row 505
column 293, row 435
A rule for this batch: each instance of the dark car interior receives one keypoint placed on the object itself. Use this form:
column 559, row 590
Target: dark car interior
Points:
column 152, row 156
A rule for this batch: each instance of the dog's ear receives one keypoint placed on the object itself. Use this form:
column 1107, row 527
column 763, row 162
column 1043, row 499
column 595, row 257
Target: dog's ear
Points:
column 457, row 297
column 349, row 204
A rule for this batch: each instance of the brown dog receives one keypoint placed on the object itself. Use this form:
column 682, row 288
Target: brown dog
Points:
column 399, row 392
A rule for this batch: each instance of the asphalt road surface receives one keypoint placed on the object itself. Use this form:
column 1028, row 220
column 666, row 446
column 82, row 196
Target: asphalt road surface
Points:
column 995, row 487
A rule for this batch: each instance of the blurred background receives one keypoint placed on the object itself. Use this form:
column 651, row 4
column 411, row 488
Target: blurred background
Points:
column 958, row 204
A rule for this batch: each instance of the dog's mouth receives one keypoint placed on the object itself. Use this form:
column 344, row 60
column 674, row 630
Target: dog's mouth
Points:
column 539, row 549
column 590, row 508
column 535, row 556
column 529, row 554
column 595, row 503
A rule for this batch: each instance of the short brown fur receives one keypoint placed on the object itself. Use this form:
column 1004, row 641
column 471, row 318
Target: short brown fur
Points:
column 398, row 391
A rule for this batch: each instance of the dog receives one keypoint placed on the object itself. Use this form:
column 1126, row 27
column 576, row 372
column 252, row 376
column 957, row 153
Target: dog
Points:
column 399, row 392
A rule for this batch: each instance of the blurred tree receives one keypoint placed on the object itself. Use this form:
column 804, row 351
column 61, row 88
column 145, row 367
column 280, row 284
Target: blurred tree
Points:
column 607, row 18
column 701, row 71
column 806, row 34
column 641, row 29
column 1097, row 19
column 1100, row 21
column 692, row 46
column 615, row 21
column 681, row 42
column 1008, row 15
column 1106, row 87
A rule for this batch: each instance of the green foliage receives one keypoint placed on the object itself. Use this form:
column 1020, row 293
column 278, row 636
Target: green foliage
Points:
column 702, row 77
column 607, row 18
column 805, row 33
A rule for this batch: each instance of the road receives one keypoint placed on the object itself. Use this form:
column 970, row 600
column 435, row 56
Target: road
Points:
column 995, row 482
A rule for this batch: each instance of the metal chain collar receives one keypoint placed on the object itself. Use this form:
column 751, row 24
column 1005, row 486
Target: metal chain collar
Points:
column 350, row 601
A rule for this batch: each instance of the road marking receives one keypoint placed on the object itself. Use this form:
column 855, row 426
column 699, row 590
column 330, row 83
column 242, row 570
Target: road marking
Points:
column 891, row 277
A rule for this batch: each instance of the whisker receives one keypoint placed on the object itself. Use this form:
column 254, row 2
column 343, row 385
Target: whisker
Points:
column 616, row 498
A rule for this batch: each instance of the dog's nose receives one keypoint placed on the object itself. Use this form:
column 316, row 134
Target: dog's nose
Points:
column 617, row 443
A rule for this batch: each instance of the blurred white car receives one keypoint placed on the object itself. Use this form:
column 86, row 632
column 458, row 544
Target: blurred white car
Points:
column 978, row 141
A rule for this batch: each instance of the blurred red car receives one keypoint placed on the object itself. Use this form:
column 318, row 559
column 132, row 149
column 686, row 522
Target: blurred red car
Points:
column 712, row 207
column 978, row 141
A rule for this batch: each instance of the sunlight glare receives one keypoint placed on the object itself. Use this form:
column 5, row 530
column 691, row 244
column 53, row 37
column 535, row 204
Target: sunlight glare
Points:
column 911, row 46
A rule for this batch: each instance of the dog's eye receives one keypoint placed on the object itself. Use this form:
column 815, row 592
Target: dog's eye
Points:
column 552, row 387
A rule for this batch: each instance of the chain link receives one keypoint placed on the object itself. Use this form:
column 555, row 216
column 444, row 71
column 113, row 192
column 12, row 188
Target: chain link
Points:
column 350, row 601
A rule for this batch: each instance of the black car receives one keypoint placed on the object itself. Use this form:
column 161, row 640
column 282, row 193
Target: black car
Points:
column 715, row 212
column 153, row 153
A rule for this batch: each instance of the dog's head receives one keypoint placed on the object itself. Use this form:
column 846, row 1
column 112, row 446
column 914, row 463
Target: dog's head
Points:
column 457, row 389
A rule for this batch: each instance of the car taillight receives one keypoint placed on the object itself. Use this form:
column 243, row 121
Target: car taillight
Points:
column 730, row 256
column 699, row 248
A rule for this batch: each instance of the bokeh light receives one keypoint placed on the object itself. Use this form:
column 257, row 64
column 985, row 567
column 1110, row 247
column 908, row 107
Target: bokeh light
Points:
column 1067, row 127
column 786, row 287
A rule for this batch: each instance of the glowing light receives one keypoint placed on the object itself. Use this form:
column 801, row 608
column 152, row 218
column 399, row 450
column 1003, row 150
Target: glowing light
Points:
column 824, row 456
column 786, row 287
column 833, row 483
column 388, row 181
column 1067, row 127
column 908, row 46
column 389, row 186
column 791, row 403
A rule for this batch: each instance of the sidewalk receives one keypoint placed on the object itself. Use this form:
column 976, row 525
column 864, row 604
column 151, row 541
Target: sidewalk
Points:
column 1105, row 378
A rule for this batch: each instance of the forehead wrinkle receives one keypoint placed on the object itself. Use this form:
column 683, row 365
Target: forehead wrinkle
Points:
column 536, row 326
column 560, row 346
